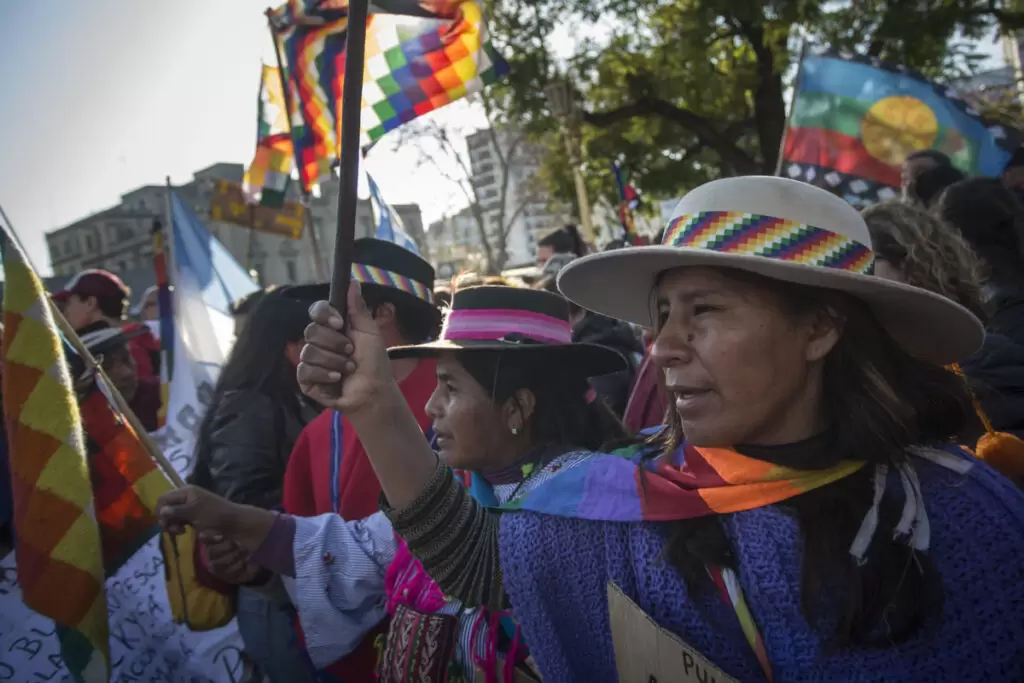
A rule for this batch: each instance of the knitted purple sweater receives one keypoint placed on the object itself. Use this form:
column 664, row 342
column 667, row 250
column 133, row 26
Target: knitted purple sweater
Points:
column 555, row 571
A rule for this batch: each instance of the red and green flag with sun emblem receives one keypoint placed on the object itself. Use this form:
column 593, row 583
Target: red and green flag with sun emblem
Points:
column 854, row 121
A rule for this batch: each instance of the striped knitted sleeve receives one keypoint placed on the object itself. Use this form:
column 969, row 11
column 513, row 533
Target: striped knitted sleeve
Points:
column 455, row 538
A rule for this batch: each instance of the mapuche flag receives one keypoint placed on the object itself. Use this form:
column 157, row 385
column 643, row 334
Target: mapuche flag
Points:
column 854, row 121
column 58, row 550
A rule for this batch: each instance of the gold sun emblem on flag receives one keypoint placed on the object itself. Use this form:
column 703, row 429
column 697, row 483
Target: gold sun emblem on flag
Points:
column 896, row 126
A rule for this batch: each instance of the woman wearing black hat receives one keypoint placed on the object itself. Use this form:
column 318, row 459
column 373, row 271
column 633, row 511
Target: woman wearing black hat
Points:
column 512, row 405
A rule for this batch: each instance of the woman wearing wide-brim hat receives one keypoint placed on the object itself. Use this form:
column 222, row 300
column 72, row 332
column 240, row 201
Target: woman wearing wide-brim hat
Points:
column 818, row 524
column 512, row 406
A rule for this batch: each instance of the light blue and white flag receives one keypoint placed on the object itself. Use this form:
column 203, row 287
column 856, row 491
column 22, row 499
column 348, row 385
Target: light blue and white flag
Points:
column 389, row 223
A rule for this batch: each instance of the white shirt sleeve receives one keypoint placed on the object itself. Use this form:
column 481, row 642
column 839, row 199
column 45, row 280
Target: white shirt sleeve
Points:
column 339, row 581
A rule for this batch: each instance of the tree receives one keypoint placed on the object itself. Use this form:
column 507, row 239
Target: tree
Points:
column 683, row 91
column 442, row 147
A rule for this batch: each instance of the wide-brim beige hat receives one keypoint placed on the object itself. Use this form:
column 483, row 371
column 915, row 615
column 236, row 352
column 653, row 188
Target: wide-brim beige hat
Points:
column 785, row 230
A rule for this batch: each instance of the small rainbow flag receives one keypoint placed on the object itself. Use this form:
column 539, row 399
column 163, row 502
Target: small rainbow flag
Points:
column 438, row 52
column 266, row 180
column 58, row 550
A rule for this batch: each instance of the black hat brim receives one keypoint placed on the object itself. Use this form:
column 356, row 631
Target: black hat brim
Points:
column 592, row 360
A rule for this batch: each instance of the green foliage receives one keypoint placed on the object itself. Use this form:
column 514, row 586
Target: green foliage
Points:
column 683, row 91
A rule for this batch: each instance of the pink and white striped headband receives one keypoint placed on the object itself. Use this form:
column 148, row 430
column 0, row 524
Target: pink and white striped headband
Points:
column 487, row 324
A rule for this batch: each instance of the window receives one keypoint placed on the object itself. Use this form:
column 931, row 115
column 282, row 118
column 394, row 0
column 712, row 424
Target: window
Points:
column 67, row 247
column 89, row 246
column 289, row 266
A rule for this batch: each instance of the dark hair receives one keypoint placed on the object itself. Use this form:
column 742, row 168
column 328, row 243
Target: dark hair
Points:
column 247, row 303
column 991, row 220
column 257, row 363
column 931, row 154
column 563, row 414
column 564, row 240
column 416, row 322
column 442, row 298
column 929, row 185
column 549, row 283
column 1016, row 159
column 928, row 253
column 115, row 306
column 879, row 400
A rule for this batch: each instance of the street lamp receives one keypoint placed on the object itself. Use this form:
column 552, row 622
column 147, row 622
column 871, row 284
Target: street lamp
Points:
column 561, row 99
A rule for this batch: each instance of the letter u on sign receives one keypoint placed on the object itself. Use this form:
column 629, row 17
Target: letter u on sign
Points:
column 647, row 653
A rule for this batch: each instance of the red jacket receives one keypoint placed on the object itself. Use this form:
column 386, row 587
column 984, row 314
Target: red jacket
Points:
column 307, row 491
column 145, row 349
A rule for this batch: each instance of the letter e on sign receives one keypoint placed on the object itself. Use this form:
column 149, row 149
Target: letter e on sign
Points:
column 647, row 653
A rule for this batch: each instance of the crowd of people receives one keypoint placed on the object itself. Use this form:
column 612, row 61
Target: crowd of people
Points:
column 788, row 431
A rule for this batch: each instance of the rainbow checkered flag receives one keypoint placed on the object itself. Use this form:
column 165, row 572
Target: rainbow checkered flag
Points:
column 437, row 52
column 59, row 554
column 266, row 180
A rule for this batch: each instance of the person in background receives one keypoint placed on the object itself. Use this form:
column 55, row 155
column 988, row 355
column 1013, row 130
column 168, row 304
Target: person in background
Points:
column 598, row 330
column 328, row 471
column 110, row 346
column 442, row 298
column 559, row 247
column 95, row 299
column 806, row 515
column 242, row 450
column 915, row 247
column 1013, row 174
column 148, row 308
column 991, row 220
column 243, row 308
column 927, row 187
column 917, row 163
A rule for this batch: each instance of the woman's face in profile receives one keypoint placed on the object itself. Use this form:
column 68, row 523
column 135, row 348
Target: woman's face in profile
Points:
column 470, row 431
column 740, row 369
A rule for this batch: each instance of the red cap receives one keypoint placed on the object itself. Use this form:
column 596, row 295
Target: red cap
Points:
column 98, row 283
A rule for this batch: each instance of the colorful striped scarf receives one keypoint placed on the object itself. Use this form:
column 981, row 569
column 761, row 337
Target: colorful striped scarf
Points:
column 693, row 482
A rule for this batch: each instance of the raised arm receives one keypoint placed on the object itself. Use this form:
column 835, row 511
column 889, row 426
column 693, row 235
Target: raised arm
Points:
column 347, row 368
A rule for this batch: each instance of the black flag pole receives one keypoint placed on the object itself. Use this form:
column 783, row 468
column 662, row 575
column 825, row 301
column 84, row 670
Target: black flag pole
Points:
column 348, row 156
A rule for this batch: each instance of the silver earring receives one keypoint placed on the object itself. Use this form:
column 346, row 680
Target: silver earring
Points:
column 515, row 431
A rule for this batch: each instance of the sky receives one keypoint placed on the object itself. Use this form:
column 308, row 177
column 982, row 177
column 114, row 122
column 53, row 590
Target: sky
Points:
column 101, row 97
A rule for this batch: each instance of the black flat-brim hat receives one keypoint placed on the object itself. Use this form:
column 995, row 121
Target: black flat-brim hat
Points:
column 380, row 264
column 513, row 320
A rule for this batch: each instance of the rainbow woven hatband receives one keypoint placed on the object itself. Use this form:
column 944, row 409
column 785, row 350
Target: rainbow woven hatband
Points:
column 751, row 234
column 378, row 276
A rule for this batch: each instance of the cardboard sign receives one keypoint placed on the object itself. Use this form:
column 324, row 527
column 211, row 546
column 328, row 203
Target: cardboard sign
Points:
column 227, row 204
column 647, row 653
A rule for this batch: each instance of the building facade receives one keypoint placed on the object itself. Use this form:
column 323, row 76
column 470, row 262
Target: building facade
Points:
column 528, row 212
column 454, row 245
column 119, row 238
